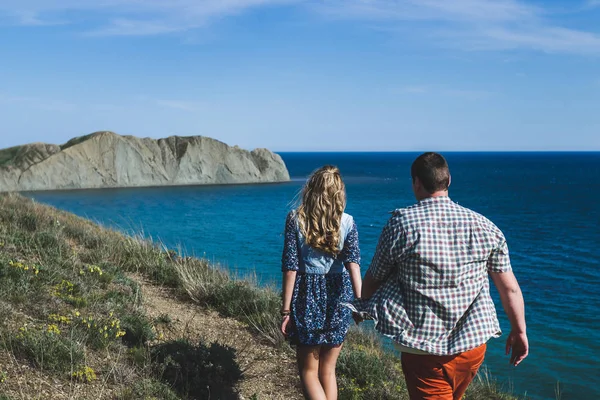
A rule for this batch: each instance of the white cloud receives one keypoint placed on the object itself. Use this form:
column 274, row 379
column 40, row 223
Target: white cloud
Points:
column 105, row 107
column 416, row 89
column 546, row 38
column 467, row 94
column 128, row 17
column 473, row 25
column 182, row 105
column 592, row 3
column 38, row 103
column 442, row 90
column 465, row 24
column 430, row 10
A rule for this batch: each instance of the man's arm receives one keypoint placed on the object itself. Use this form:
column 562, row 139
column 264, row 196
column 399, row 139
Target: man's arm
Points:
column 391, row 245
column 514, row 307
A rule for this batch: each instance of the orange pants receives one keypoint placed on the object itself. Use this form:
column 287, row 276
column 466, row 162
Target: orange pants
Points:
column 430, row 377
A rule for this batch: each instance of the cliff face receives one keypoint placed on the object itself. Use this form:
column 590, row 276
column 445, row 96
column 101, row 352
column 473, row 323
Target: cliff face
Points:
column 105, row 159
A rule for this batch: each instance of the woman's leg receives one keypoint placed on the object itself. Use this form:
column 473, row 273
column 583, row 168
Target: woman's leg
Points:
column 308, row 365
column 328, row 360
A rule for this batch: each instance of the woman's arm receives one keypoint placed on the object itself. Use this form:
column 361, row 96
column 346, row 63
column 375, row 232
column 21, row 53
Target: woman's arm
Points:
column 351, row 258
column 355, row 278
column 287, row 289
column 289, row 268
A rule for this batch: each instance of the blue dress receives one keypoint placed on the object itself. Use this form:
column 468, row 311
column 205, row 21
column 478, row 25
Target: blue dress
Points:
column 322, row 283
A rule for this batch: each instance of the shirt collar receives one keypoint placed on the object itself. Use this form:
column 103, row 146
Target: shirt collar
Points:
column 432, row 200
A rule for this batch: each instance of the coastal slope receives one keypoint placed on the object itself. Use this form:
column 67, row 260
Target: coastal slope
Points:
column 108, row 160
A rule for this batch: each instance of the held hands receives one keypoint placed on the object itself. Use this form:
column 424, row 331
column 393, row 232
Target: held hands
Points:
column 517, row 346
column 357, row 318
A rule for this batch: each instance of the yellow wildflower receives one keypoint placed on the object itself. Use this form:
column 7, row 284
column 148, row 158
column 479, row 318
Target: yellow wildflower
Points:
column 52, row 328
column 85, row 374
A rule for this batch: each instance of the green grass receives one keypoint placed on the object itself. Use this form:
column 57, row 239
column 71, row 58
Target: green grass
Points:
column 76, row 141
column 7, row 156
column 66, row 301
column 71, row 313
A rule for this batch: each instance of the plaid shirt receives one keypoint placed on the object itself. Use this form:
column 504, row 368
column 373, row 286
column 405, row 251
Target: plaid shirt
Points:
column 433, row 260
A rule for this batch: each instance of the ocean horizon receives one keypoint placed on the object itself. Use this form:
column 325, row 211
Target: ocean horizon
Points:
column 543, row 201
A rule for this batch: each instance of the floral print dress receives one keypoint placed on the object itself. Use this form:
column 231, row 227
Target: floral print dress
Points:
column 322, row 283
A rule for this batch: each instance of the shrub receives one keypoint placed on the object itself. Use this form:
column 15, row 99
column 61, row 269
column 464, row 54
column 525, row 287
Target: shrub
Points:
column 367, row 372
column 70, row 293
column 142, row 256
column 28, row 221
column 47, row 348
column 21, row 282
column 98, row 332
column 138, row 329
column 484, row 387
column 140, row 357
column 197, row 371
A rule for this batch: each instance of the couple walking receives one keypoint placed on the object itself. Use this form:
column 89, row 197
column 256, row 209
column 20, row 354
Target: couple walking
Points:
column 427, row 287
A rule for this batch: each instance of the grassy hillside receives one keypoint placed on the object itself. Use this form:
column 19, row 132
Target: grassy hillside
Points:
column 77, row 140
column 73, row 323
column 8, row 155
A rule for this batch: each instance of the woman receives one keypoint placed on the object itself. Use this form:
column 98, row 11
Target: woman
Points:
column 320, row 266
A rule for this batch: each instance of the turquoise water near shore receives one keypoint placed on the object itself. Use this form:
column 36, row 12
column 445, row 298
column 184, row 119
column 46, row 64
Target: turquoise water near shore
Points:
column 546, row 204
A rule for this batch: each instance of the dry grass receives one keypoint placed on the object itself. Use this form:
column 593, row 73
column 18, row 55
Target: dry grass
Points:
column 73, row 325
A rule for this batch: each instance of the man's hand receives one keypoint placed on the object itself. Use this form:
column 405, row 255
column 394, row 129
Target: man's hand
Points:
column 517, row 346
column 512, row 300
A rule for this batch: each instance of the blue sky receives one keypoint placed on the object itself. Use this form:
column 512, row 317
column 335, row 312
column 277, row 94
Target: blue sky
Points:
column 360, row 75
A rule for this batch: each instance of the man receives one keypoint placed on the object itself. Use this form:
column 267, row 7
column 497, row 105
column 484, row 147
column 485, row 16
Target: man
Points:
column 429, row 289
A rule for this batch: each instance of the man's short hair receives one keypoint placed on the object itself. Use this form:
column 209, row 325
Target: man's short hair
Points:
column 432, row 170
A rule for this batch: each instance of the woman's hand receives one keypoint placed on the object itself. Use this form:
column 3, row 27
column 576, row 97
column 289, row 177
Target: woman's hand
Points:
column 284, row 325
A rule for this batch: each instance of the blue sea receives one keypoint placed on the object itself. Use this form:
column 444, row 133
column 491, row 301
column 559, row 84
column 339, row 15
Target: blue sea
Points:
column 547, row 204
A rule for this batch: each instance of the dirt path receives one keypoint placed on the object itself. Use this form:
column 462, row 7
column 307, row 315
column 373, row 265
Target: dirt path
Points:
column 268, row 372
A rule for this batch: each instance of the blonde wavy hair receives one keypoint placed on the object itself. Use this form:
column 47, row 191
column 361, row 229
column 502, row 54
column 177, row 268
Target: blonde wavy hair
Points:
column 321, row 209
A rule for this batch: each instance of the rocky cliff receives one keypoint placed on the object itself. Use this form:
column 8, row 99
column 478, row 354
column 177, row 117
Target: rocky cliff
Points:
column 105, row 160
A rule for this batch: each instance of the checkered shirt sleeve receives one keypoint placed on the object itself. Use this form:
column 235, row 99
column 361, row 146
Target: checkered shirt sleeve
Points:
column 390, row 249
column 499, row 260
